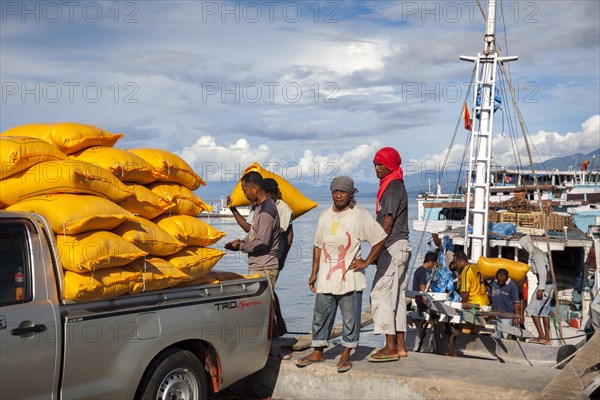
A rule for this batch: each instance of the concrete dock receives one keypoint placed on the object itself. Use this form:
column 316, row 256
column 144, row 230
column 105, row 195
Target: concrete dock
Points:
column 419, row 376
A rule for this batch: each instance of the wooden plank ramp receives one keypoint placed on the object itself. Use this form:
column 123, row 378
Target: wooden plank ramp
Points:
column 579, row 374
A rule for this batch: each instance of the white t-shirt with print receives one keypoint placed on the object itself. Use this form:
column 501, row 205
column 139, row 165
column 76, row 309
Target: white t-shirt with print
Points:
column 339, row 236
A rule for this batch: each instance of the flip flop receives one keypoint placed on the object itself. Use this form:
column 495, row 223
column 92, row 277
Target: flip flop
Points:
column 303, row 362
column 380, row 357
column 344, row 366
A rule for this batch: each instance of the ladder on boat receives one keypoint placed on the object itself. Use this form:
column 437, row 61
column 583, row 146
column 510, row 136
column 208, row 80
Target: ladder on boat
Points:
column 480, row 143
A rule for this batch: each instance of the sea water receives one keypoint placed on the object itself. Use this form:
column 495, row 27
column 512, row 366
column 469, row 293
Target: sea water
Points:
column 297, row 301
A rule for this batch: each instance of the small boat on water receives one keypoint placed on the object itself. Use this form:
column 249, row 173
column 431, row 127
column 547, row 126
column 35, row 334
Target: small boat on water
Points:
column 540, row 204
column 221, row 210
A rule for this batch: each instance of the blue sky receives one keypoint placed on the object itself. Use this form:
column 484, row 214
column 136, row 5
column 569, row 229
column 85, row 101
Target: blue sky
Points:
column 310, row 88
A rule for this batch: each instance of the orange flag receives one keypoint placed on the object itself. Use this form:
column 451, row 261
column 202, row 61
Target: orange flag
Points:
column 467, row 117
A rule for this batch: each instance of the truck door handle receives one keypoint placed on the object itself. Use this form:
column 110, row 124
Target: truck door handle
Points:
column 37, row 328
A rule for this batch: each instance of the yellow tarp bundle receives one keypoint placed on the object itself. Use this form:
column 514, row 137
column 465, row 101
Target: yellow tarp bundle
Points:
column 145, row 202
column 98, row 285
column 188, row 230
column 69, row 137
column 184, row 200
column 171, row 167
column 63, row 176
column 149, row 237
column 196, row 261
column 156, row 274
column 517, row 271
column 123, row 164
column 72, row 213
column 95, row 250
column 299, row 203
column 17, row 153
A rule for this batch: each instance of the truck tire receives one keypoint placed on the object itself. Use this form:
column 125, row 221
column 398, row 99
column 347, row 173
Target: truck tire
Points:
column 174, row 374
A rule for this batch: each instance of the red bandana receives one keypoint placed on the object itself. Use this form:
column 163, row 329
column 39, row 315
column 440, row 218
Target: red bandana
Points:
column 389, row 158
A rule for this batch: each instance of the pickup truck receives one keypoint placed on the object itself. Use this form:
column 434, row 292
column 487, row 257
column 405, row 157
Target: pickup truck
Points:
column 178, row 343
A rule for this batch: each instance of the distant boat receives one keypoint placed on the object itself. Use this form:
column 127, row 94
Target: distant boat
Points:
column 470, row 220
column 221, row 210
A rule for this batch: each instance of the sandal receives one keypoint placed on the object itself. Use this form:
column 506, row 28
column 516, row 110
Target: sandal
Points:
column 303, row 362
column 344, row 366
column 381, row 357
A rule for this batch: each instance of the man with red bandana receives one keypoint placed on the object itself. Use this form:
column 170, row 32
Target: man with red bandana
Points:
column 388, row 303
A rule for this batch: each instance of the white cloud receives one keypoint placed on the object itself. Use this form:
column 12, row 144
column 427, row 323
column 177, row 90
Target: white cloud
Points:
column 544, row 145
column 356, row 163
column 223, row 163
column 372, row 56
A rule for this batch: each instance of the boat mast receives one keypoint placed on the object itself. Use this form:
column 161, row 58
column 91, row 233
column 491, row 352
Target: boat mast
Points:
column 478, row 189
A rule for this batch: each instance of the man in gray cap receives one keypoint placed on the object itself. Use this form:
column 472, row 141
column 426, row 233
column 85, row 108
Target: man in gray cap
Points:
column 338, row 277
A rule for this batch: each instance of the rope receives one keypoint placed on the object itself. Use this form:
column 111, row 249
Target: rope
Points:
column 539, row 194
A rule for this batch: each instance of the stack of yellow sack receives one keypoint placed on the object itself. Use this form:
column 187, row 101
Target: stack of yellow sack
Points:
column 124, row 219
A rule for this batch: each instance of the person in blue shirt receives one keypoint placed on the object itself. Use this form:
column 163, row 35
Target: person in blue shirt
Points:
column 505, row 298
column 420, row 277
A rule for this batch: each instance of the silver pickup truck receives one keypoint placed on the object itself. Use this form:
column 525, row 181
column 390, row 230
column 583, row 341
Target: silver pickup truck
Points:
column 177, row 343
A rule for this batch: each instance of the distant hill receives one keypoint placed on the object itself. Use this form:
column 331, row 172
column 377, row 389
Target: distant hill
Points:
column 563, row 163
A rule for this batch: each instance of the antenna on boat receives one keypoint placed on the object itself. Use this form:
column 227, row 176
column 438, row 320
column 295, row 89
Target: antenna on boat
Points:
column 478, row 183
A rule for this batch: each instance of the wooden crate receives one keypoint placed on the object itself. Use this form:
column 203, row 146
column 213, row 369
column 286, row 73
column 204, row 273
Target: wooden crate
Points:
column 529, row 220
column 508, row 217
column 558, row 221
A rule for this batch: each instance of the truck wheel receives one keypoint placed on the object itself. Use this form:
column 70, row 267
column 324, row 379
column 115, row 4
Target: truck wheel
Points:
column 175, row 375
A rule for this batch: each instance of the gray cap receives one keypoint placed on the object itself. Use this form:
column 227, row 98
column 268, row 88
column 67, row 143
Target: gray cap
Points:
column 343, row 184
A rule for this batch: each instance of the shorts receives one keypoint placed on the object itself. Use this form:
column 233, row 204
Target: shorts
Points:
column 541, row 308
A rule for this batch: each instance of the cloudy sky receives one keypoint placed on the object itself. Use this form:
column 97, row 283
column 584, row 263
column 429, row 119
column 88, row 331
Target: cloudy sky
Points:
column 311, row 89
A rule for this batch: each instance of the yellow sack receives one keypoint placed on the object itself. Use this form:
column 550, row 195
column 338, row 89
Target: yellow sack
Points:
column 203, row 280
column 196, row 261
column 517, row 271
column 71, row 213
column 69, row 137
column 184, row 200
column 63, row 176
column 149, row 237
column 188, row 230
column 170, row 167
column 95, row 250
column 17, row 153
column 125, row 165
column 289, row 194
column 156, row 274
column 145, row 202
column 225, row 275
column 99, row 285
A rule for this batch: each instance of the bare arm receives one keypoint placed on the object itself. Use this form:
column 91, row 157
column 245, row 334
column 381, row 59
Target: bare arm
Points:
column 387, row 224
column 290, row 236
column 464, row 297
column 239, row 218
column 315, row 269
